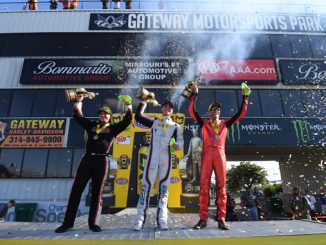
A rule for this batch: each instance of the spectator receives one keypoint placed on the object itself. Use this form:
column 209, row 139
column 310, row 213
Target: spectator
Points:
column 117, row 4
column 13, row 170
column 73, row 4
column 248, row 202
column 4, row 172
column 4, row 209
column 231, row 215
column 299, row 205
column 323, row 201
column 312, row 201
column 32, row 5
column 260, row 202
column 53, row 4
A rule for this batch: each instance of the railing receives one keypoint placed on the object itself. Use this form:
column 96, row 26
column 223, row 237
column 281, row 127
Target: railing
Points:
column 277, row 6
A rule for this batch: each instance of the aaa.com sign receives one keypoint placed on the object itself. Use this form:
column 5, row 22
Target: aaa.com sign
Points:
column 260, row 71
column 123, row 140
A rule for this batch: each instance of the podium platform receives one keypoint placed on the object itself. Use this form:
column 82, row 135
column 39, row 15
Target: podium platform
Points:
column 117, row 229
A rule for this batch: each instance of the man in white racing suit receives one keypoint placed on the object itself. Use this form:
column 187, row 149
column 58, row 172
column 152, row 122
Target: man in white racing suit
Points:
column 166, row 135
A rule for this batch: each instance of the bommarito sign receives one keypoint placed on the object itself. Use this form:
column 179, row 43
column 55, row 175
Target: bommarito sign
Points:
column 207, row 22
column 103, row 71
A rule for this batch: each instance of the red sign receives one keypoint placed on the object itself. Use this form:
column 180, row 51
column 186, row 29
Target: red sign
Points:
column 237, row 69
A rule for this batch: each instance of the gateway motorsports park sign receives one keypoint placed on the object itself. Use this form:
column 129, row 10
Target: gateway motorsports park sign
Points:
column 207, row 22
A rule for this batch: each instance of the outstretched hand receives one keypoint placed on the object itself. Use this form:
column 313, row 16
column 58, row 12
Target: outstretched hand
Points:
column 80, row 97
column 125, row 98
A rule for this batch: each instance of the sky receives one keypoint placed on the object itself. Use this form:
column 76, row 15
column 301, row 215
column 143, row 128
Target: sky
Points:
column 272, row 168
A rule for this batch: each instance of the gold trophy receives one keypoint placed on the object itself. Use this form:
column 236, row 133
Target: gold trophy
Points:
column 144, row 94
column 190, row 87
column 72, row 94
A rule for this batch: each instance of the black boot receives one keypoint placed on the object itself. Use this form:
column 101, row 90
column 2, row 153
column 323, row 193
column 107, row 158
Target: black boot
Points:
column 95, row 228
column 222, row 225
column 63, row 228
column 201, row 224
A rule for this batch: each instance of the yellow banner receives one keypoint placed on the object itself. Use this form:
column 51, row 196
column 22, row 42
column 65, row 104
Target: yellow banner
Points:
column 123, row 148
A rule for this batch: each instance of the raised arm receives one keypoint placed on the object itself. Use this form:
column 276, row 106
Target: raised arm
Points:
column 192, row 111
column 139, row 116
column 122, row 125
column 243, row 108
column 240, row 114
column 79, row 117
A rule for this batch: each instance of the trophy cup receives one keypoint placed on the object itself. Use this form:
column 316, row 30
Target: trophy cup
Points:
column 144, row 94
column 191, row 86
column 72, row 94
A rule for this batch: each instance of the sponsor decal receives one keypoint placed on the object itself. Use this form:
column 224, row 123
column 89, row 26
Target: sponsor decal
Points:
column 121, row 181
column 31, row 133
column 306, row 131
column 49, row 212
column 123, row 140
column 238, row 69
column 174, row 161
column 212, row 22
column 253, row 129
column 109, row 22
column 104, row 71
column 124, row 161
column 301, row 130
column 154, row 69
column 174, row 180
column 303, row 72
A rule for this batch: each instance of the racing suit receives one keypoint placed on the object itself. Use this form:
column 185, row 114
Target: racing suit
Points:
column 158, row 163
column 213, row 158
column 94, row 163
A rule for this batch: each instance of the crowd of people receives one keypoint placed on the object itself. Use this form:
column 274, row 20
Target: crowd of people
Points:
column 73, row 4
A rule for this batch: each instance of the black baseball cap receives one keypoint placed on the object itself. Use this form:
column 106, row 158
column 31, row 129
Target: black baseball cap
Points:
column 167, row 102
column 105, row 109
column 214, row 105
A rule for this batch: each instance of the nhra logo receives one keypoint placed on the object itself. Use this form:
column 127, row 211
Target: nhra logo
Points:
column 123, row 140
column 174, row 180
column 121, row 181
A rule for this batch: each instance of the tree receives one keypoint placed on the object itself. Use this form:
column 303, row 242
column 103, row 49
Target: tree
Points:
column 245, row 176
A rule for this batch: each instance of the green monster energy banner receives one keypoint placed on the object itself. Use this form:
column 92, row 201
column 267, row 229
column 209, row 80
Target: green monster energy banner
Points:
column 278, row 131
column 273, row 131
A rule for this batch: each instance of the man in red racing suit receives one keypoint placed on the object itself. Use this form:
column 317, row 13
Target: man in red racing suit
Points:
column 214, row 132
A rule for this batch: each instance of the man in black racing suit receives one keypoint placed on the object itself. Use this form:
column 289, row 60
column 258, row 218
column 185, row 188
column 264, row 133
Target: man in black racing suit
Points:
column 94, row 163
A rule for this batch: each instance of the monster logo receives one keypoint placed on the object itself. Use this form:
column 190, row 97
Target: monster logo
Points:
column 301, row 130
column 234, row 133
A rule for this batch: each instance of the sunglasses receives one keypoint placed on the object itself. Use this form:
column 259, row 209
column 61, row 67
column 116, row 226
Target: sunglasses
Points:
column 215, row 109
